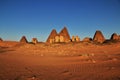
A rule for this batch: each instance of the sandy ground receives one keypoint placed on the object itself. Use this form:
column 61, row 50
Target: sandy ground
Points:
column 75, row 61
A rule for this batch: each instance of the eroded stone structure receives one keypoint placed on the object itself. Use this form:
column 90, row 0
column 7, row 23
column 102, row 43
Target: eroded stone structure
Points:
column 63, row 36
column 114, row 36
column 51, row 38
column 23, row 40
column 34, row 40
column 75, row 39
column 98, row 37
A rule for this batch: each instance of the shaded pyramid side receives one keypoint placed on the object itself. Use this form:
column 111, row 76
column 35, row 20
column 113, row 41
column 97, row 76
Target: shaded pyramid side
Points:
column 65, row 34
column 98, row 37
column 51, row 37
column 23, row 40
column 114, row 36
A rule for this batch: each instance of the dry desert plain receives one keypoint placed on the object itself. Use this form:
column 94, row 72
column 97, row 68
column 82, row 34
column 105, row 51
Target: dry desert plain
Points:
column 73, row 61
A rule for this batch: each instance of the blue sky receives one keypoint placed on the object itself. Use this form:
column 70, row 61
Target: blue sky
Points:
column 36, row 18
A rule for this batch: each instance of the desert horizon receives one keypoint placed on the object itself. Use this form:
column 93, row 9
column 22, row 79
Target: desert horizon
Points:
column 54, row 37
column 59, row 39
column 61, row 58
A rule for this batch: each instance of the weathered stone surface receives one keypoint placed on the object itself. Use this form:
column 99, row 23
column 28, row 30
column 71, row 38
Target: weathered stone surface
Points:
column 61, row 39
column 52, row 41
column 23, row 40
column 51, row 38
column 98, row 37
column 114, row 36
column 73, row 39
column 34, row 40
column 77, row 39
column 57, row 38
column 87, row 39
column 65, row 34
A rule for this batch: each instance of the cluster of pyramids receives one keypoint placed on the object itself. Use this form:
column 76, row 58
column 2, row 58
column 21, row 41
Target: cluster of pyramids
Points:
column 24, row 40
column 63, row 36
column 55, row 37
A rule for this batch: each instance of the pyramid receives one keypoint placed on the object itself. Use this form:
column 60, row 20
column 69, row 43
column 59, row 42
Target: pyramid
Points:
column 1, row 39
column 51, row 38
column 34, row 40
column 65, row 34
column 23, row 40
column 114, row 36
column 98, row 37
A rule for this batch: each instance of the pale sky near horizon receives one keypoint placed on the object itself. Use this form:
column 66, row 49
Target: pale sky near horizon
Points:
column 37, row 18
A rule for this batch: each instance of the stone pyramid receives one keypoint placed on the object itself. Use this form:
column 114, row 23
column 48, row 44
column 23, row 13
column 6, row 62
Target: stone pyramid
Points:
column 51, row 38
column 64, row 33
column 114, row 36
column 34, row 40
column 98, row 37
column 1, row 39
column 23, row 40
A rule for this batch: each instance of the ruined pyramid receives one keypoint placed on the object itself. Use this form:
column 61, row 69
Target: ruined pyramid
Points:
column 114, row 36
column 98, row 37
column 23, row 40
column 34, row 40
column 51, row 38
column 64, row 33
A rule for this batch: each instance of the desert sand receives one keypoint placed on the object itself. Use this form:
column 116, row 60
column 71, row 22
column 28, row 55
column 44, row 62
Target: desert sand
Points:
column 67, row 61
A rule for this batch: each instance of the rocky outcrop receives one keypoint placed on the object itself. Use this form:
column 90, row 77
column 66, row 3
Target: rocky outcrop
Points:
column 34, row 40
column 87, row 39
column 98, row 37
column 23, row 40
column 114, row 36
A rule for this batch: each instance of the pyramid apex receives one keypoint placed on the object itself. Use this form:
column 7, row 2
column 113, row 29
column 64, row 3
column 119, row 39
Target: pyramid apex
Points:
column 23, row 39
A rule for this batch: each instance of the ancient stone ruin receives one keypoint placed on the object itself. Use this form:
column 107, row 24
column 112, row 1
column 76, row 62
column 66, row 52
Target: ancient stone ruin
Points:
column 23, row 40
column 75, row 39
column 98, row 37
column 51, row 38
column 63, row 36
column 87, row 39
column 114, row 36
column 1, row 39
column 34, row 40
